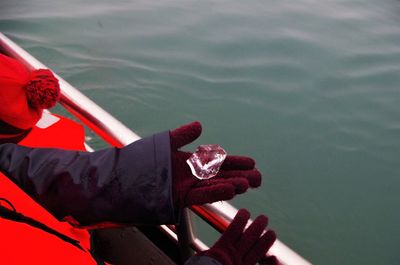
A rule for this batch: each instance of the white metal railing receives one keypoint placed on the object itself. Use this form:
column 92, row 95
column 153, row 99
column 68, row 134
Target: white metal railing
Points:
column 117, row 134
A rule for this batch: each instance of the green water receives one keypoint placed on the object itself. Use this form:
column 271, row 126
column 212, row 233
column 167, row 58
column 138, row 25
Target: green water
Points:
column 308, row 88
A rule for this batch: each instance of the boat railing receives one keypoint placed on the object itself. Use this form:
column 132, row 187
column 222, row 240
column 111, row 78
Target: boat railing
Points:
column 218, row 215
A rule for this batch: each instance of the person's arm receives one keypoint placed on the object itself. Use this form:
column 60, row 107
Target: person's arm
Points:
column 146, row 182
column 128, row 185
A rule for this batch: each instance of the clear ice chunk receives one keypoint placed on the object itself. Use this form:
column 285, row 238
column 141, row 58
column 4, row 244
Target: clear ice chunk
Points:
column 206, row 161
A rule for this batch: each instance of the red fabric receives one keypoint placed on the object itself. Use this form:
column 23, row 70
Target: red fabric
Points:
column 65, row 134
column 15, row 107
column 237, row 173
column 23, row 244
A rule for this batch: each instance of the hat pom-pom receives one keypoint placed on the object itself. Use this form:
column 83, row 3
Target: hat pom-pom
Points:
column 43, row 90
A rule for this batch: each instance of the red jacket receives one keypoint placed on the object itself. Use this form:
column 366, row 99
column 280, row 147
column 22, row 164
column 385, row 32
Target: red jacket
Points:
column 24, row 244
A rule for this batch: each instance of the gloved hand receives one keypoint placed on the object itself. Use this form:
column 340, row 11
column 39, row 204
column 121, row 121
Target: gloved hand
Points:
column 270, row 260
column 238, row 247
column 236, row 175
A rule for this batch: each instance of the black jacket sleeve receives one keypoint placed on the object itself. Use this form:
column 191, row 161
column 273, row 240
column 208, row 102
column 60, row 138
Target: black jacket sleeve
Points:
column 129, row 185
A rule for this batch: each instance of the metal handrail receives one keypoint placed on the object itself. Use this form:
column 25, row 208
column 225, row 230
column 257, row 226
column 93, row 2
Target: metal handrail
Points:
column 218, row 215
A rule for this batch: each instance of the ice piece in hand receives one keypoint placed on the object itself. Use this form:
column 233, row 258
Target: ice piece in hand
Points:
column 206, row 161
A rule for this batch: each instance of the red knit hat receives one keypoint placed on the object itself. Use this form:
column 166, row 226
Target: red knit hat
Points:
column 24, row 94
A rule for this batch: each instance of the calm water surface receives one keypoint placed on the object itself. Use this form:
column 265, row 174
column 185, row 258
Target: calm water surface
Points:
column 311, row 89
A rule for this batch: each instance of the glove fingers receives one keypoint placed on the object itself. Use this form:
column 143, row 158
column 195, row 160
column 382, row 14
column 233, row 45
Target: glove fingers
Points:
column 252, row 176
column 238, row 162
column 185, row 134
column 208, row 194
column 234, row 231
column 240, row 184
column 270, row 260
column 252, row 234
column 259, row 249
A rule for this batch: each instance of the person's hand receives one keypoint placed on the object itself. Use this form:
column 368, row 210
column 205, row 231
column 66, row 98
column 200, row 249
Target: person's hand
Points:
column 236, row 175
column 270, row 260
column 239, row 247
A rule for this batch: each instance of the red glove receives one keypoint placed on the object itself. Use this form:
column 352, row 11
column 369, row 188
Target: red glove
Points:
column 236, row 175
column 270, row 260
column 238, row 247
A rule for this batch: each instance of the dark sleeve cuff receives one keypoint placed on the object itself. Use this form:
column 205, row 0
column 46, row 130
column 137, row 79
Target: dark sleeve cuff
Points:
column 142, row 183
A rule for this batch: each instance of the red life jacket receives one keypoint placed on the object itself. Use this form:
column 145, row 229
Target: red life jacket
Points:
column 23, row 244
